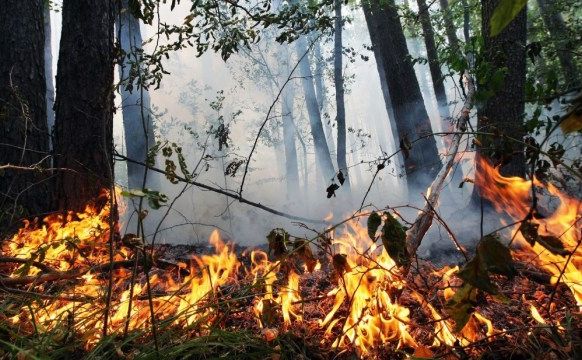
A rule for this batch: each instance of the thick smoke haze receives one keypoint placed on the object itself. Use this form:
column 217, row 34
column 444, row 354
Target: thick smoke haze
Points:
column 184, row 114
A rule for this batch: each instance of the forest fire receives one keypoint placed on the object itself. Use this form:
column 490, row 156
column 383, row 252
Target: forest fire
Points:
column 366, row 303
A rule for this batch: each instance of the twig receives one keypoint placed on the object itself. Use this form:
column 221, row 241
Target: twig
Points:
column 227, row 193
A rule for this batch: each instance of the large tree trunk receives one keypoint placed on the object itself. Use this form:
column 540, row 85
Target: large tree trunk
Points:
column 503, row 112
column 24, row 139
column 322, row 155
column 411, row 118
column 434, row 65
column 48, row 71
column 339, row 95
column 558, row 31
column 137, row 117
column 84, row 105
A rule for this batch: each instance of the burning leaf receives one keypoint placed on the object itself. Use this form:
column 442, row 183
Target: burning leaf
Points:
column 461, row 305
column 131, row 240
column 374, row 221
column 394, row 240
column 529, row 231
column 340, row 177
column 303, row 250
column 340, row 264
column 331, row 190
column 405, row 146
column 277, row 240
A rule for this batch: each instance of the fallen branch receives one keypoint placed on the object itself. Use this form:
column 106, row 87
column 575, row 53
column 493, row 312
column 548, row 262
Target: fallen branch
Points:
column 423, row 222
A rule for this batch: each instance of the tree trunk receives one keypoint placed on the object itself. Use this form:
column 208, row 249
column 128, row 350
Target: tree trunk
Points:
column 291, row 166
column 503, row 112
column 84, row 105
column 48, row 71
column 24, row 139
column 411, row 118
column 559, row 33
column 433, row 62
column 137, row 117
column 322, row 93
column 339, row 95
column 322, row 155
column 450, row 28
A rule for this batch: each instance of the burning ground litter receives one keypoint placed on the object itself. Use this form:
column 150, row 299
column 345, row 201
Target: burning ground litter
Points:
column 351, row 291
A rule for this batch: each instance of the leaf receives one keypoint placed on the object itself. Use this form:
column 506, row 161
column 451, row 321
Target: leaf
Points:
column 504, row 13
column 340, row 177
column 405, row 146
column 571, row 122
column 530, row 233
column 374, row 221
column 303, row 250
column 475, row 274
column 461, row 305
column 340, row 263
column 394, row 240
column 277, row 240
column 495, row 256
column 331, row 190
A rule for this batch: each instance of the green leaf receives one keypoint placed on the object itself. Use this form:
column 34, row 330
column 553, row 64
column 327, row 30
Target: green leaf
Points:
column 495, row 256
column 461, row 305
column 394, row 240
column 504, row 13
column 374, row 222
column 475, row 274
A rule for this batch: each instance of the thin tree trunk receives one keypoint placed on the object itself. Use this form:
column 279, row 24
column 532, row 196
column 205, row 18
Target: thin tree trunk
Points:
column 322, row 94
column 339, row 95
column 322, row 155
column 466, row 21
column 503, row 112
column 450, row 28
column 48, row 71
column 84, row 104
column 433, row 61
column 137, row 117
column 24, row 139
column 291, row 166
column 558, row 32
column 411, row 118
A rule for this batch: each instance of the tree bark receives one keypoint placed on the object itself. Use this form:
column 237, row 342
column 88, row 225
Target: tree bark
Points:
column 411, row 118
column 503, row 112
column 48, row 71
column 138, row 122
column 24, row 139
column 554, row 22
column 339, row 95
column 291, row 166
column 84, row 104
column 322, row 155
column 450, row 28
column 433, row 62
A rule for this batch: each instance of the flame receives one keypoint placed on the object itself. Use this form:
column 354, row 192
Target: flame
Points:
column 513, row 195
column 368, row 289
column 363, row 310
